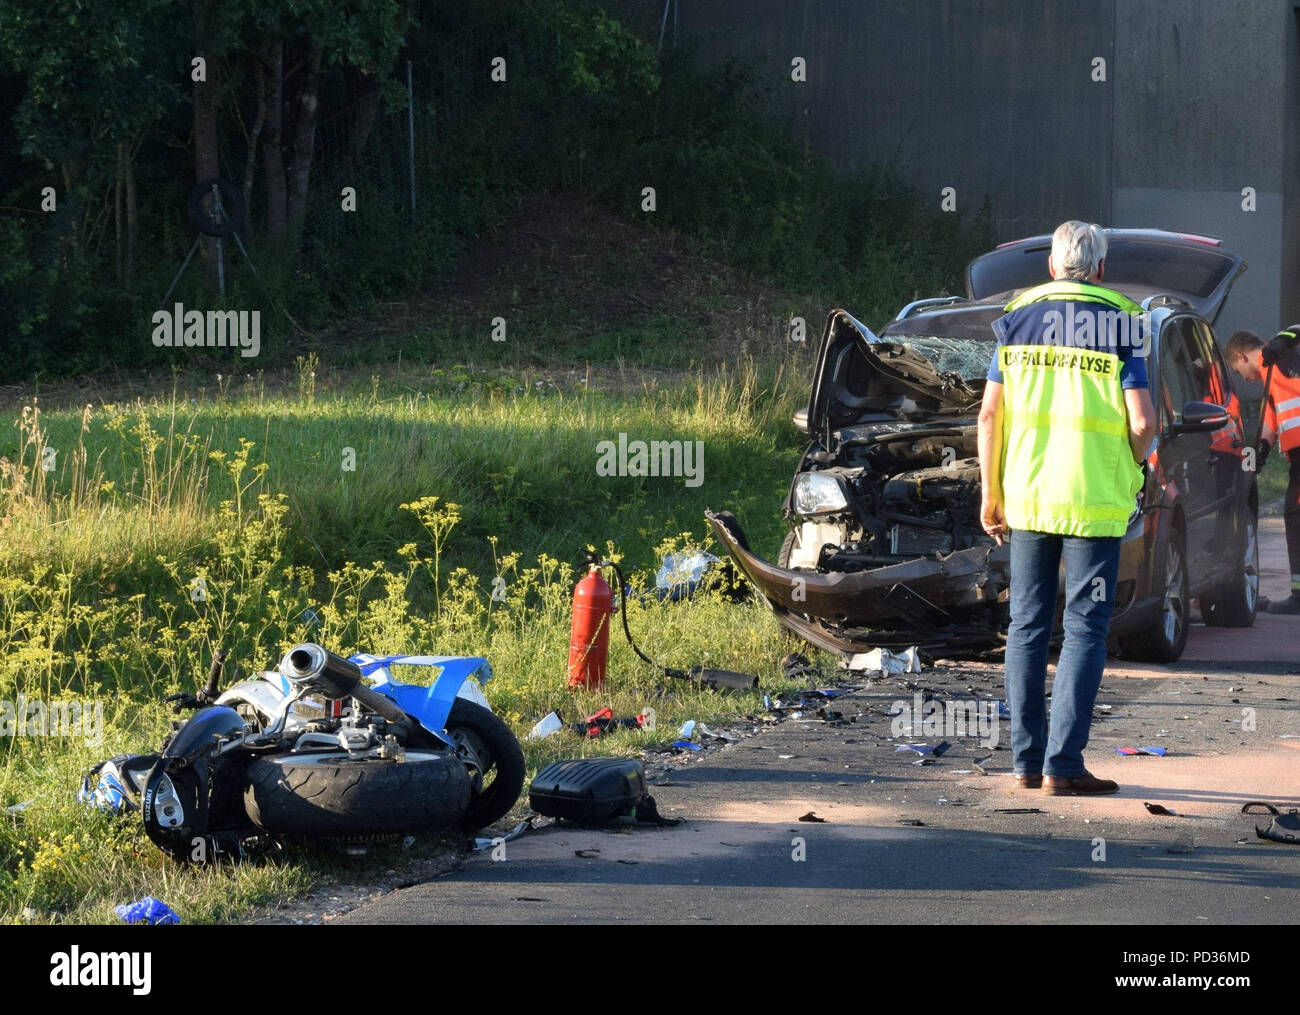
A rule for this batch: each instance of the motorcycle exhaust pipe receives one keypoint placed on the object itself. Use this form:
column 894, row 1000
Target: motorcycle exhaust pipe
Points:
column 335, row 677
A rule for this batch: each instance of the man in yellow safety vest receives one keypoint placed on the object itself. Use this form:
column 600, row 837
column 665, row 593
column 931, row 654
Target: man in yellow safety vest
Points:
column 1065, row 424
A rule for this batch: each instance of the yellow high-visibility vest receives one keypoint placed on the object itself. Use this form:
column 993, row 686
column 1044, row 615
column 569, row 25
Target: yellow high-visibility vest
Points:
column 1066, row 463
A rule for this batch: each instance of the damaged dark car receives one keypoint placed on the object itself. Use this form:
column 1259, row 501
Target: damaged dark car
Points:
column 885, row 547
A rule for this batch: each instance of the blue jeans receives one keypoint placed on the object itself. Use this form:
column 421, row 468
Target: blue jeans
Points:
column 1035, row 566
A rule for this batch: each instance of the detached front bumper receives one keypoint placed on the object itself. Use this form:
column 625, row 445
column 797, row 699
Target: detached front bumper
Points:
column 935, row 602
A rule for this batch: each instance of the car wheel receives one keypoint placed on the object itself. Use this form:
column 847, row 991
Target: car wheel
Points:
column 1234, row 601
column 1164, row 640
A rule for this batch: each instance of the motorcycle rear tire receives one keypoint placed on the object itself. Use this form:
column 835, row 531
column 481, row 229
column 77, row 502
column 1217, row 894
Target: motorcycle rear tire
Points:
column 503, row 758
column 330, row 795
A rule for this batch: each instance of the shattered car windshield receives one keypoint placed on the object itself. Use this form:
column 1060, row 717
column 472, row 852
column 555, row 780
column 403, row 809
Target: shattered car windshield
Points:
column 968, row 357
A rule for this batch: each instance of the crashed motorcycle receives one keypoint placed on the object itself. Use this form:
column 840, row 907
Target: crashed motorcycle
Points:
column 324, row 750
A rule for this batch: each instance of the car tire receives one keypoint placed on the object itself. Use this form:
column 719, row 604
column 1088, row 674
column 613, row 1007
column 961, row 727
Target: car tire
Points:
column 1164, row 640
column 1234, row 601
column 787, row 548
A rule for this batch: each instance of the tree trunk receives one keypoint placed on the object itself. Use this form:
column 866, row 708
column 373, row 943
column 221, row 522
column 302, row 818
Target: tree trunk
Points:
column 304, row 142
column 369, row 92
column 250, row 165
column 117, row 214
column 277, row 218
column 132, row 220
column 207, row 163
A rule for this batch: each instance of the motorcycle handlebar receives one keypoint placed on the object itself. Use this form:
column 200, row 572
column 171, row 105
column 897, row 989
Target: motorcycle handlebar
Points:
column 211, row 689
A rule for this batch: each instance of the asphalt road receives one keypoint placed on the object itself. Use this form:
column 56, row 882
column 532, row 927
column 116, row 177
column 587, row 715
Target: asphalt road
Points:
column 984, row 852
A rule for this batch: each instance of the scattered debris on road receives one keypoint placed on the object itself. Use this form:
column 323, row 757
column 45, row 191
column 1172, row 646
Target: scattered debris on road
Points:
column 907, row 661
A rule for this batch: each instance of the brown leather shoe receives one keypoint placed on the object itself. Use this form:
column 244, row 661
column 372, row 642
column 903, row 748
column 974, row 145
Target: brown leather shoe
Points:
column 1028, row 780
column 1080, row 785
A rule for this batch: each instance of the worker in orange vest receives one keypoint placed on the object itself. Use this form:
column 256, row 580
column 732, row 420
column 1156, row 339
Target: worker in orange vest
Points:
column 1277, row 365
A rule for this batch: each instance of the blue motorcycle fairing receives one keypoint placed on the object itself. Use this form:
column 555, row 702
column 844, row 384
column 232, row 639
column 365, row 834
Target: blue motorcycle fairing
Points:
column 209, row 724
column 430, row 705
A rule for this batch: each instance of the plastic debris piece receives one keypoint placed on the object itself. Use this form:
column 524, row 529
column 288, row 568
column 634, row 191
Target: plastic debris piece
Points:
column 687, row 745
column 934, row 749
column 550, row 723
column 963, row 771
column 716, row 734
column 148, row 910
column 688, row 729
column 811, row 817
column 1160, row 809
column 1158, row 752
column 604, row 721
column 907, row 661
column 679, row 574
column 481, row 844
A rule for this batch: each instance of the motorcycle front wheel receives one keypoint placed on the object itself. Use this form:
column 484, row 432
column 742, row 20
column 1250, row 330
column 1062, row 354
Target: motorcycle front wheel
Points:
column 331, row 795
column 484, row 741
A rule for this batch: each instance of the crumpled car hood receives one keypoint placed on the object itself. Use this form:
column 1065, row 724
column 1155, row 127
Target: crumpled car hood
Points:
column 859, row 375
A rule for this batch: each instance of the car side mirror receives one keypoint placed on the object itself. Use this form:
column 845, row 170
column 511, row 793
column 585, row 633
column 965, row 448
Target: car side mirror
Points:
column 1201, row 417
column 800, row 419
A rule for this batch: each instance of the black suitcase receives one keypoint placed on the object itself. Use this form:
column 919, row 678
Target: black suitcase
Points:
column 590, row 791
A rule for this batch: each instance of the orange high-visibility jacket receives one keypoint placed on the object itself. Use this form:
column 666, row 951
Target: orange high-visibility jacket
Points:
column 1282, row 411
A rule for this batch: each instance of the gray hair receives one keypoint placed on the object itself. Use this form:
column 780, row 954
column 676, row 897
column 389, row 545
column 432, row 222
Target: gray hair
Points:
column 1077, row 249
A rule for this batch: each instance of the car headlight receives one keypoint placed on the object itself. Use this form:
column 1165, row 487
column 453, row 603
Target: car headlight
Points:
column 816, row 493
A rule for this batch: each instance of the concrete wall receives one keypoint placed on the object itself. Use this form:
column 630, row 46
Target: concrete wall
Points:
column 955, row 94
column 1200, row 115
column 996, row 98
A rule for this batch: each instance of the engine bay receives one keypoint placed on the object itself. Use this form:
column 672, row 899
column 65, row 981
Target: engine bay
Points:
column 908, row 497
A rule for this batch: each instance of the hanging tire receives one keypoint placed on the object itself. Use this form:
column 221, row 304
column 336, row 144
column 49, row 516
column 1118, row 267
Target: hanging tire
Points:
column 1234, row 601
column 484, row 741
column 203, row 214
column 330, row 795
column 1164, row 640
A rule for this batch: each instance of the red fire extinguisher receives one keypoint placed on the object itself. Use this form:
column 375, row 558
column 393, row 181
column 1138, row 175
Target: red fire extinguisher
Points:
column 589, row 640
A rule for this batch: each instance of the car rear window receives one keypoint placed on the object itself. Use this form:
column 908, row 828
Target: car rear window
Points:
column 1182, row 268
